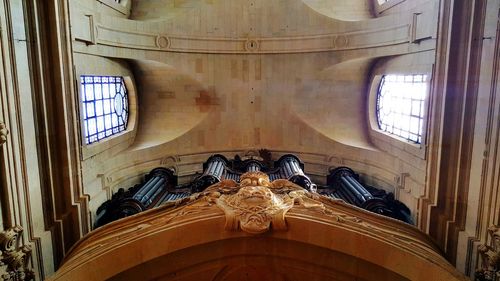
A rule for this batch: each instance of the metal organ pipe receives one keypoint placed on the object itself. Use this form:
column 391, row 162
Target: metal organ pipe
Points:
column 291, row 169
column 154, row 188
column 253, row 166
column 147, row 196
column 161, row 186
column 213, row 170
column 215, row 167
column 350, row 190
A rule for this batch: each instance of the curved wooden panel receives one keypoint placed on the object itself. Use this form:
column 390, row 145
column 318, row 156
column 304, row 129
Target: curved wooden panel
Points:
column 212, row 236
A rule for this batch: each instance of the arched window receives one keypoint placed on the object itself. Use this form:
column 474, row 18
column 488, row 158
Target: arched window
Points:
column 105, row 106
column 400, row 105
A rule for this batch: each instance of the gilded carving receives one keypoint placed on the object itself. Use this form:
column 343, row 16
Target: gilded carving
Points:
column 3, row 133
column 254, row 207
column 256, row 204
column 13, row 258
column 490, row 257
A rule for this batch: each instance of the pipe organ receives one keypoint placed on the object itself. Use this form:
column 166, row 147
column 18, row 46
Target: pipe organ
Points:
column 213, row 171
column 161, row 186
column 342, row 183
column 291, row 169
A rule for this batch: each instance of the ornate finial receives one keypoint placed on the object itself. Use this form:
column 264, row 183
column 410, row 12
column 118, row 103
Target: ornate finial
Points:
column 13, row 258
column 255, row 179
column 490, row 257
column 3, row 133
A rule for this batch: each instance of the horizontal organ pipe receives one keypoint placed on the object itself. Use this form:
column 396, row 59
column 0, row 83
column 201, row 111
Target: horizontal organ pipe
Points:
column 213, row 170
column 154, row 188
column 145, row 188
column 153, row 192
column 291, row 170
column 353, row 192
column 215, row 167
column 161, row 186
column 364, row 193
column 142, row 199
column 353, row 196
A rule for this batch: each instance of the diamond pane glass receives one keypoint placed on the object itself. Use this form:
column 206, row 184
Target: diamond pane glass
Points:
column 400, row 104
column 104, row 105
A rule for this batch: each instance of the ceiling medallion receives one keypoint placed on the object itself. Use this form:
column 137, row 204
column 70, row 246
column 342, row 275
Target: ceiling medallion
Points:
column 252, row 45
column 340, row 41
column 162, row 42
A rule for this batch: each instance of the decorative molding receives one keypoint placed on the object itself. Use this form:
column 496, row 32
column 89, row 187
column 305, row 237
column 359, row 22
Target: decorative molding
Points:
column 64, row 204
column 113, row 36
column 486, row 157
column 162, row 42
column 3, row 133
column 450, row 145
column 489, row 270
column 252, row 45
column 380, row 8
column 116, row 6
column 340, row 41
column 14, row 259
column 401, row 182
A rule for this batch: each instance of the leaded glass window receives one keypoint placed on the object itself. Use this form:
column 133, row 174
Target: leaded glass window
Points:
column 400, row 105
column 105, row 106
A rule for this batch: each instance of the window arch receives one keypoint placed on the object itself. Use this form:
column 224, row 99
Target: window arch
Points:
column 400, row 105
column 105, row 106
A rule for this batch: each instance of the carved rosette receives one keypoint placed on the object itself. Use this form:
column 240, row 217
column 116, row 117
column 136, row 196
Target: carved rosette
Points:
column 3, row 133
column 489, row 269
column 14, row 259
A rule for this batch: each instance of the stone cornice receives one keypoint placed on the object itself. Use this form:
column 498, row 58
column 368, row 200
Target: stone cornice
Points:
column 112, row 36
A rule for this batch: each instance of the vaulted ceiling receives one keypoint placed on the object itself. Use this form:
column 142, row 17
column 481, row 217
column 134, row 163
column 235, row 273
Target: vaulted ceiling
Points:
column 231, row 76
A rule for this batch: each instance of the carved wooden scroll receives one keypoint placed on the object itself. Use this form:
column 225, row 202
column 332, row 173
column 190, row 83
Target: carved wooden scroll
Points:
column 252, row 212
column 254, row 207
column 14, row 258
column 3, row 133
column 490, row 257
